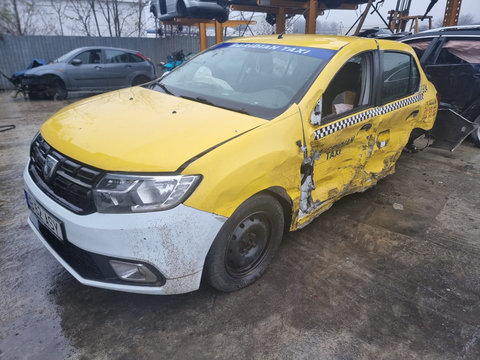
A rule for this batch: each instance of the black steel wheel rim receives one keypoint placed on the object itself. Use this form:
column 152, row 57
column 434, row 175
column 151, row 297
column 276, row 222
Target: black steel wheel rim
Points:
column 248, row 245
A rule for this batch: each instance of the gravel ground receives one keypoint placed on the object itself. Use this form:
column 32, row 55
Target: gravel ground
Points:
column 391, row 273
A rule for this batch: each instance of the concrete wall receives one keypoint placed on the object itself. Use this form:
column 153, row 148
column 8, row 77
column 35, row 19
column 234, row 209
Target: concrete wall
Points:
column 16, row 52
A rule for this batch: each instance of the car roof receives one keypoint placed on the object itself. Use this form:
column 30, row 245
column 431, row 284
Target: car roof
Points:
column 103, row 48
column 449, row 31
column 320, row 41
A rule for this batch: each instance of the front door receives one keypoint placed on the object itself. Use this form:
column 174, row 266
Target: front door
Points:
column 90, row 74
column 340, row 131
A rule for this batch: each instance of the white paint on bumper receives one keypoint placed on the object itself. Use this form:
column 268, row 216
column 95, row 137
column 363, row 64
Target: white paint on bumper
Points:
column 175, row 241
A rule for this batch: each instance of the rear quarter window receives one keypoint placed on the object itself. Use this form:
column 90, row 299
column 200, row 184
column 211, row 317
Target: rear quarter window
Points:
column 401, row 77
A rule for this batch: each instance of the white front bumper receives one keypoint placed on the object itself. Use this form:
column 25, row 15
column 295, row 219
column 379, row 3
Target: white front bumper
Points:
column 175, row 241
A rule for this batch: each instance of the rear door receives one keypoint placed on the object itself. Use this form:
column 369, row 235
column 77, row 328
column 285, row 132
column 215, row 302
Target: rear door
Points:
column 400, row 107
column 118, row 67
column 455, row 71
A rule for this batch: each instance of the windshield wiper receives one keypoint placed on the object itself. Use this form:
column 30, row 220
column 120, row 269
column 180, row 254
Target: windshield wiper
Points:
column 164, row 88
column 208, row 102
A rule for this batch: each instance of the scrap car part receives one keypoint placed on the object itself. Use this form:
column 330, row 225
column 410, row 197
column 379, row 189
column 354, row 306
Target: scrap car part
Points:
column 450, row 129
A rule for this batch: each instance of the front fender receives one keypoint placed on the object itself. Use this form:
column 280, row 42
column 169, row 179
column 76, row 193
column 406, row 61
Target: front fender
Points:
column 43, row 77
column 266, row 157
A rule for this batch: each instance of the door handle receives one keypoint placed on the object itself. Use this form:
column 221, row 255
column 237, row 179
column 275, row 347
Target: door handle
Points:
column 367, row 126
column 128, row 66
column 413, row 113
column 98, row 67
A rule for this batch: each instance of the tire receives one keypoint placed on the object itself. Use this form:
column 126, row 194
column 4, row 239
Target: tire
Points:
column 56, row 90
column 139, row 80
column 221, row 18
column 34, row 95
column 181, row 9
column 476, row 133
column 245, row 244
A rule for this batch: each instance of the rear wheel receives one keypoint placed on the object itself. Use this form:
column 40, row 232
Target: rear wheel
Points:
column 246, row 244
column 476, row 133
column 139, row 80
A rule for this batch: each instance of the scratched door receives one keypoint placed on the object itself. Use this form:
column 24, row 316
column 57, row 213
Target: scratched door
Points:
column 402, row 100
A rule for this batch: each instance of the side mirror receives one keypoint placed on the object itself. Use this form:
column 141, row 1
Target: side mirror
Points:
column 76, row 62
column 316, row 116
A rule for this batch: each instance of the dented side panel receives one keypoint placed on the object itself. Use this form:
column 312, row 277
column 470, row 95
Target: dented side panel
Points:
column 315, row 164
column 352, row 153
column 266, row 157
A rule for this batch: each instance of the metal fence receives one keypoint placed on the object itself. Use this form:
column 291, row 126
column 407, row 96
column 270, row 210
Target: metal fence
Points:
column 16, row 52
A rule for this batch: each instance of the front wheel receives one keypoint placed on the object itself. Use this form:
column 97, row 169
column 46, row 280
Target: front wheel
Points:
column 56, row 90
column 246, row 244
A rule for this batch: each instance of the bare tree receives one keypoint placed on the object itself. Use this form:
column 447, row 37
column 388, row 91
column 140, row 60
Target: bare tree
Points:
column 95, row 18
column 82, row 12
column 467, row 19
column 59, row 7
column 140, row 22
column 116, row 15
column 16, row 17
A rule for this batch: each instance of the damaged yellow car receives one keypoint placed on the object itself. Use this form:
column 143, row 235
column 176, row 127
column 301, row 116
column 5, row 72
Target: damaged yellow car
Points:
column 146, row 189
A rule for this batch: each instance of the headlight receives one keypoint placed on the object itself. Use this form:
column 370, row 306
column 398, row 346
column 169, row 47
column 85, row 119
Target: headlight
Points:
column 129, row 193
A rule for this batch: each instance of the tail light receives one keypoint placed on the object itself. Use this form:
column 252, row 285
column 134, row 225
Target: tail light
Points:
column 143, row 56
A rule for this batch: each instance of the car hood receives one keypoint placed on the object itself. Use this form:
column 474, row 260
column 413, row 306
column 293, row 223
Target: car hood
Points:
column 141, row 130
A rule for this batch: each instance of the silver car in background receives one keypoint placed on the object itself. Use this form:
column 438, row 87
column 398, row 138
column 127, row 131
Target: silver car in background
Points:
column 165, row 10
column 95, row 68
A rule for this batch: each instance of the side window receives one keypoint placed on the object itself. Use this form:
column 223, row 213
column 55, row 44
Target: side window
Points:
column 90, row 57
column 134, row 58
column 116, row 56
column 459, row 52
column 420, row 46
column 350, row 89
column 400, row 76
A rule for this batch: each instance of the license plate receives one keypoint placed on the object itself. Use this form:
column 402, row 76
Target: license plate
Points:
column 50, row 222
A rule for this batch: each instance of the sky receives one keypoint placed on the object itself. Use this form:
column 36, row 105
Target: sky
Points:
column 418, row 7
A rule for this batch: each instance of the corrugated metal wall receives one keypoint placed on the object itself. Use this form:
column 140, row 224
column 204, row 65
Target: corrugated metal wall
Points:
column 16, row 52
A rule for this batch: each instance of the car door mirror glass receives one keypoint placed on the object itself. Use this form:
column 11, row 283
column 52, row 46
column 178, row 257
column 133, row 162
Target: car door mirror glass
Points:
column 316, row 116
column 76, row 62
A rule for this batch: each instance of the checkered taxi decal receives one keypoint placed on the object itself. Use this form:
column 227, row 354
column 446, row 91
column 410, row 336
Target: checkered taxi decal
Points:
column 367, row 114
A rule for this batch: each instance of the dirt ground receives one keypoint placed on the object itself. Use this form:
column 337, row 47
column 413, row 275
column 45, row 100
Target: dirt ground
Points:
column 391, row 273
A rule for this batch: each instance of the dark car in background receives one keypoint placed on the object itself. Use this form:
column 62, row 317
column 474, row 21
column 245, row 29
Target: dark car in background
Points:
column 95, row 68
column 450, row 57
column 382, row 33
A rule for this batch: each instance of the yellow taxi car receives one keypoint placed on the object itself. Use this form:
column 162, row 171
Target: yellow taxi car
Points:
column 201, row 172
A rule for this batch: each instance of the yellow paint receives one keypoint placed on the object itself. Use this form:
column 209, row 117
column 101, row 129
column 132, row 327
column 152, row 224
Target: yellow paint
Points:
column 139, row 130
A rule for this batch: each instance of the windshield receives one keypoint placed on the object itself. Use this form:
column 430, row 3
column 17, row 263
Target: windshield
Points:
column 65, row 57
column 262, row 80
